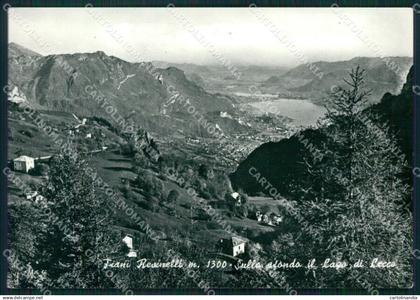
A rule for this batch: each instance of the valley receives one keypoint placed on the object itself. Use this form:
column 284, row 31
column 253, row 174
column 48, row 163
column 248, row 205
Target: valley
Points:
column 171, row 169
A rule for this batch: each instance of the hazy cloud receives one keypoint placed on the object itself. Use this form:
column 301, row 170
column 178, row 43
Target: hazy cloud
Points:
column 319, row 33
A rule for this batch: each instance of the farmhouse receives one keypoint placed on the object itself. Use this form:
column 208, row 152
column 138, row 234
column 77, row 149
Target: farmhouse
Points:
column 237, row 198
column 233, row 246
column 23, row 163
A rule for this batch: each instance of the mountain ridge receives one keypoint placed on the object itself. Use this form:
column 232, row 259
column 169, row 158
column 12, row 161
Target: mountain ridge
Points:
column 383, row 75
column 59, row 81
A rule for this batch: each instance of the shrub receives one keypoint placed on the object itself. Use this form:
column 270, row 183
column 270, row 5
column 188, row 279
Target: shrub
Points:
column 186, row 205
column 153, row 203
column 203, row 171
column 27, row 133
column 205, row 195
column 141, row 160
column 144, row 204
column 212, row 188
column 172, row 196
column 241, row 211
column 150, row 185
column 170, row 211
column 40, row 169
column 244, row 197
column 127, row 149
column 252, row 211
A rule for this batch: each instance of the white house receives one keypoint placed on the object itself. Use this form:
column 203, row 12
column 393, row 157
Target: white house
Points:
column 233, row 246
column 23, row 163
column 128, row 240
column 238, row 246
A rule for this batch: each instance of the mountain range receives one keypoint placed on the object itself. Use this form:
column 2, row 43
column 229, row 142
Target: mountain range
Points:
column 386, row 74
column 145, row 93
column 74, row 82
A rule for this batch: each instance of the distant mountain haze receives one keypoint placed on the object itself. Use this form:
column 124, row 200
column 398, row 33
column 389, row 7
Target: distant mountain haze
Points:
column 269, row 36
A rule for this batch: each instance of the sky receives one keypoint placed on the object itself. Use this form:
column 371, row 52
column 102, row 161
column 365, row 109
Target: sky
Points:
column 237, row 36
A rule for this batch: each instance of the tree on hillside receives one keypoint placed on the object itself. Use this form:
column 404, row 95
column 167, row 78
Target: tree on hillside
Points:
column 151, row 185
column 76, row 221
column 141, row 161
column 204, row 171
column 24, row 223
column 173, row 196
column 351, row 200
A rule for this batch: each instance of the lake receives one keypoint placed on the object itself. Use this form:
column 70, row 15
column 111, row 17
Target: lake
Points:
column 303, row 112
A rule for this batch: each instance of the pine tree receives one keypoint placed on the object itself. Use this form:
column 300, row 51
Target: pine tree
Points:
column 353, row 197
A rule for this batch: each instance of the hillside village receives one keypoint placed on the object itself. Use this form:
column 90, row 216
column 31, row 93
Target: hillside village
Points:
column 99, row 140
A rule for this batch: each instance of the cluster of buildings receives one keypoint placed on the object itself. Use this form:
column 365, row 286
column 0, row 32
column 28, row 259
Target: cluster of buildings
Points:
column 271, row 219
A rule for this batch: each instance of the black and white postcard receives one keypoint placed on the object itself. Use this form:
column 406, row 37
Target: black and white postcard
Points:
column 198, row 150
